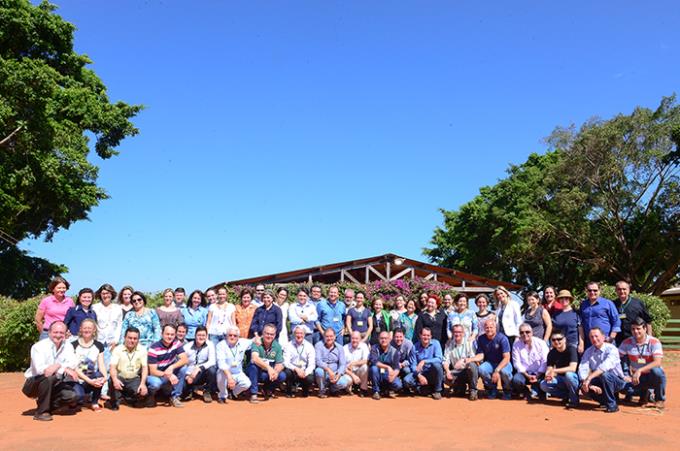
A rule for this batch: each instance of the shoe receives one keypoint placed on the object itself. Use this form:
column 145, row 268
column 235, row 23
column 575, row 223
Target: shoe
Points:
column 253, row 399
column 290, row 395
column 660, row 405
column 323, row 395
column 175, row 402
column 571, row 405
column 436, row 396
column 391, row 394
column 491, row 394
column 507, row 396
column 644, row 397
column 96, row 408
column 611, row 409
column 473, row 395
column 42, row 417
column 376, row 396
column 305, row 394
column 150, row 401
column 114, row 406
column 207, row 397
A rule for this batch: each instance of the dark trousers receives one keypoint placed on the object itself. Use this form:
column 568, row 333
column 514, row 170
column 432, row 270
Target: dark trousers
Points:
column 257, row 374
column 205, row 380
column 610, row 384
column 51, row 392
column 467, row 377
column 84, row 389
column 128, row 393
column 293, row 381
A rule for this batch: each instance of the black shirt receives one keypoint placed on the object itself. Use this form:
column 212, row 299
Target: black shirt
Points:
column 628, row 314
column 437, row 325
column 562, row 359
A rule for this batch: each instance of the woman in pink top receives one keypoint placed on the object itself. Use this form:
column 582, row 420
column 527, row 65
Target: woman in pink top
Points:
column 53, row 307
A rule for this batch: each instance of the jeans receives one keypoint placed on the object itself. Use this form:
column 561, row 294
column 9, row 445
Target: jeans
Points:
column 611, row 384
column 486, row 370
column 434, row 375
column 257, row 374
column 215, row 339
column 380, row 381
column 322, row 380
column 519, row 385
column 468, row 376
column 154, row 383
column 655, row 380
column 205, row 379
column 107, row 363
column 242, row 384
column 563, row 385
column 129, row 392
column 83, row 389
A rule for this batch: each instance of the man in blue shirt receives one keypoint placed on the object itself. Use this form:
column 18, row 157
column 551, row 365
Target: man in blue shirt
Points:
column 493, row 351
column 426, row 365
column 404, row 348
column 331, row 314
column 384, row 369
column 596, row 311
column 330, row 365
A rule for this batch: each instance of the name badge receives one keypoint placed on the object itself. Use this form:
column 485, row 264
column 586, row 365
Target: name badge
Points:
column 360, row 323
column 300, row 364
column 622, row 316
column 336, row 319
column 382, row 370
column 641, row 361
column 234, row 364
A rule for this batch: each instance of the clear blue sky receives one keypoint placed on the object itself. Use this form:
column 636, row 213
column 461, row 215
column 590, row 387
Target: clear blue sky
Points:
column 280, row 135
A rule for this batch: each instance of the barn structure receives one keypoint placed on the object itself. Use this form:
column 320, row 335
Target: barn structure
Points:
column 382, row 267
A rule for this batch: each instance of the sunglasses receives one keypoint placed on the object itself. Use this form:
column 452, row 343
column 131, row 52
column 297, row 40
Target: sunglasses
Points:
column 557, row 339
column 593, row 291
column 137, row 300
column 525, row 332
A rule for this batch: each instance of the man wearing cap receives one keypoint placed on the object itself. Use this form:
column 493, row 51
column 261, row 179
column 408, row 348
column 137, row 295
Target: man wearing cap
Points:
column 630, row 309
column 641, row 355
column 600, row 371
column 596, row 311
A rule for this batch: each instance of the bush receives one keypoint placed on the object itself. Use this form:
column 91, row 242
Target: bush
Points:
column 656, row 307
column 17, row 332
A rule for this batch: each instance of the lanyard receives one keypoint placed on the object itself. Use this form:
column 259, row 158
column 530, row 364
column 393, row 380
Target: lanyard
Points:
column 640, row 349
column 131, row 359
column 234, row 354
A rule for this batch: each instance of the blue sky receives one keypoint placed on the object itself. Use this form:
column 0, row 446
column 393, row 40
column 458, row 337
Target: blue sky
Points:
column 279, row 135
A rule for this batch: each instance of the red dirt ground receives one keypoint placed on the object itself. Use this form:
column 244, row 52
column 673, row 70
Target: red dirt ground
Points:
column 344, row 423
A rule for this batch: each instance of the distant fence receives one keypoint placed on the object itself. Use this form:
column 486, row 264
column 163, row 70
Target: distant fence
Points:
column 670, row 338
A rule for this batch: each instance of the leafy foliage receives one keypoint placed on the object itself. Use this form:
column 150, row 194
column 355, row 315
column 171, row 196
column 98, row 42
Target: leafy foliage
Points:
column 17, row 333
column 602, row 203
column 50, row 102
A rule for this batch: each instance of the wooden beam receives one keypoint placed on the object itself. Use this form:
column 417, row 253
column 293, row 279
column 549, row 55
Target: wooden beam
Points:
column 309, row 279
column 388, row 269
column 429, row 276
column 351, row 277
column 367, row 277
column 402, row 273
column 473, row 289
column 376, row 272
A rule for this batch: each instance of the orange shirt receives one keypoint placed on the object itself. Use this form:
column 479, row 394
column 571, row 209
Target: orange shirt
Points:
column 244, row 316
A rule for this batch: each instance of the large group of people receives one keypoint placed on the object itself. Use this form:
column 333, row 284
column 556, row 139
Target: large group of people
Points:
column 110, row 348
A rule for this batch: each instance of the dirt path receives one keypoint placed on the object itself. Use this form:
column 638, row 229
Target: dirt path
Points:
column 344, row 423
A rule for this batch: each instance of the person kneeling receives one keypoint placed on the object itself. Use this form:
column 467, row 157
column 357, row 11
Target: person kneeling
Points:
column 560, row 375
column 385, row 367
column 426, row 366
column 529, row 357
column 167, row 367
column 299, row 359
column 266, row 364
column 129, row 371
column 601, row 372
column 459, row 364
column 201, row 370
column 330, row 365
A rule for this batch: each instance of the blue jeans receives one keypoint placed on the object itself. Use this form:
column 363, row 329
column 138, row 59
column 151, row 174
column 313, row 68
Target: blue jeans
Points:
column 611, row 384
column 322, row 379
column 380, row 381
column 486, row 371
column 563, row 385
column 215, row 339
column 84, row 389
column 107, row 362
column 434, row 375
column 257, row 374
column 654, row 380
column 155, row 383
column 43, row 334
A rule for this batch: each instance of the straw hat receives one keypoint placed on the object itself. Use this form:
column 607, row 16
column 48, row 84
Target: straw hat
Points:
column 565, row 294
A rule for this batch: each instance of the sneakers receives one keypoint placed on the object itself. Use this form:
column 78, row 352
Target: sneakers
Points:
column 221, row 401
column 391, row 394
column 436, row 396
column 611, row 409
column 376, row 396
column 323, row 395
column 175, row 402
column 207, row 397
column 473, row 395
column 43, row 417
column 253, row 399
column 659, row 405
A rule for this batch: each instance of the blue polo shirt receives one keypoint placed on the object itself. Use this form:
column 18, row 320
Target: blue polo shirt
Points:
column 432, row 354
column 331, row 315
column 76, row 315
column 493, row 349
column 602, row 314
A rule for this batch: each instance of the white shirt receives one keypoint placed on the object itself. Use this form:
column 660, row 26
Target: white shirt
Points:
column 511, row 319
column 355, row 354
column 231, row 358
column 221, row 318
column 299, row 356
column 204, row 357
column 109, row 322
column 44, row 353
column 297, row 310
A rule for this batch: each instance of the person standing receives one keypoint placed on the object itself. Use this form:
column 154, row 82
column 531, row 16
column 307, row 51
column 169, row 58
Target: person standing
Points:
column 509, row 316
column 630, row 309
column 598, row 312
column 53, row 307
column 143, row 319
column 433, row 319
column 267, row 313
column 303, row 313
column 330, row 313
column 222, row 315
column 168, row 313
column 194, row 313
column 81, row 311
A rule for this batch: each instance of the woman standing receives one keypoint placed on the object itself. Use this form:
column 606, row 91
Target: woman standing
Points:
column 125, row 299
column 143, row 319
column 53, row 307
column 194, row 313
column 483, row 314
column 81, row 311
column 359, row 318
column 509, row 317
column 168, row 313
column 433, row 319
column 550, row 301
column 221, row 315
column 399, row 309
column 537, row 317
column 282, row 302
column 408, row 319
column 465, row 317
column 211, row 296
column 568, row 321
column 90, row 367
column 382, row 321
column 109, row 323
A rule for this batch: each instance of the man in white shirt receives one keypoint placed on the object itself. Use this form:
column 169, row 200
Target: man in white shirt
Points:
column 356, row 354
column 230, row 374
column 299, row 361
column 52, row 374
column 530, row 359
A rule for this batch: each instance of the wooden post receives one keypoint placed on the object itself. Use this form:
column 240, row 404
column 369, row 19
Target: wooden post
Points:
column 388, row 270
column 342, row 276
column 309, row 279
column 367, row 277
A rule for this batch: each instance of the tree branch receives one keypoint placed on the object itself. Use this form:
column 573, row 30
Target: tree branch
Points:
column 8, row 137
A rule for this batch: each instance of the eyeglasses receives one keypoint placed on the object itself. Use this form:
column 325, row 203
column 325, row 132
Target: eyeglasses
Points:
column 593, row 291
column 525, row 332
column 232, row 335
column 556, row 339
column 137, row 300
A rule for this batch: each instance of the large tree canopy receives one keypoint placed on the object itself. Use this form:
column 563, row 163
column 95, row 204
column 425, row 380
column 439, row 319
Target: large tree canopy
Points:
column 50, row 102
column 602, row 203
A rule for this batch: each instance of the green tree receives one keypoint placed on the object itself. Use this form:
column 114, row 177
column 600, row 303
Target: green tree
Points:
column 51, row 104
column 602, row 203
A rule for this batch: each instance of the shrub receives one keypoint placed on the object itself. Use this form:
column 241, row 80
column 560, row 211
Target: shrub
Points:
column 17, row 333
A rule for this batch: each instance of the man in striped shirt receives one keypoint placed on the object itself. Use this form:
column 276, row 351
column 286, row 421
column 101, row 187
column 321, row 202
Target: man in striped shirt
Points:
column 641, row 355
column 167, row 366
